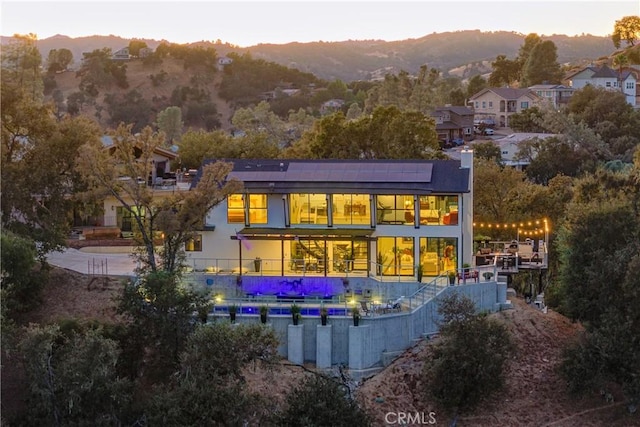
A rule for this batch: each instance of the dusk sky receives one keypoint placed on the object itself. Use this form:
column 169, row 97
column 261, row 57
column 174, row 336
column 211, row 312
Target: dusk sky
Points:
column 247, row 23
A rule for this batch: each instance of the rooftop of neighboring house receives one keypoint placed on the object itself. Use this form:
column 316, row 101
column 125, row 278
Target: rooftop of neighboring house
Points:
column 506, row 92
column 460, row 110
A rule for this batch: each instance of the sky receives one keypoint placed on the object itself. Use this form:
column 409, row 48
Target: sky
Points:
column 247, row 23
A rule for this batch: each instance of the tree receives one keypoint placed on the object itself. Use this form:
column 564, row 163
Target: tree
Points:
column 387, row 133
column 21, row 61
column 135, row 46
column 467, row 364
column 261, row 120
column 170, row 123
column 529, row 120
column 159, row 310
column 321, row 401
column 541, row 65
column 59, row 60
column 476, row 84
column 626, row 29
column 599, row 283
column 73, row 378
column 488, row 150
column 504, row 71
column 497, row 191
column 177, row 216
column 213, row 360
column 530, row 41
column 38, row 163
column 21, row 283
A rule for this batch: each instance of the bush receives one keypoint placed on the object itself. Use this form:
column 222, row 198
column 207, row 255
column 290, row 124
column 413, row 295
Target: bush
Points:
column 321, row 401
column 467, row 364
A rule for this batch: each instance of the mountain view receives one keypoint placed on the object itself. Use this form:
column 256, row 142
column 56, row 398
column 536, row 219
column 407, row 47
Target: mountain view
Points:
column 471, row 51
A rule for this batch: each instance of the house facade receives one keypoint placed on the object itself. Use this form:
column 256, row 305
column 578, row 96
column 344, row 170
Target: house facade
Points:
column 501, row 103
column 510, row 145
column 556, row 96
column 453, row 122
column 624, row 81
column 337, row 217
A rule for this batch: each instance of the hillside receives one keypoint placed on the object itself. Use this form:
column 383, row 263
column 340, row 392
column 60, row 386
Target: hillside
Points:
column 364, row 59
column 138, row 78
column 534, row 395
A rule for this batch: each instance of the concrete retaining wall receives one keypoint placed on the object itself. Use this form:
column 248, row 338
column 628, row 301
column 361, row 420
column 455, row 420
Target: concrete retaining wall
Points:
column 363, row 346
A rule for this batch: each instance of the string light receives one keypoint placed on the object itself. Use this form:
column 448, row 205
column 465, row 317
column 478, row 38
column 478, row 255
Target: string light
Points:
column 539, row 225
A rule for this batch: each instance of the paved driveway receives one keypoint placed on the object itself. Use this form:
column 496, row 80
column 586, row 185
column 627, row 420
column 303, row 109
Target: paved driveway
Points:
column 116, row 264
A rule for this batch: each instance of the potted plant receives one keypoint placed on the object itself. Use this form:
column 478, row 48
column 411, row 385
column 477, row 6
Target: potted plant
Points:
column 295, row 313
column 487, row 275
column 324, row 314
column 257, row 263
column 355, row 312
column 452, row 277
column 419, row 272
column 264, row 310
column 233, row 309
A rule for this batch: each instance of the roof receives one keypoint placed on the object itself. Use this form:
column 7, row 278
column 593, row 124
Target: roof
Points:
column 506, row 92
column 170, row 153
column 357, row 176
column 460, row 110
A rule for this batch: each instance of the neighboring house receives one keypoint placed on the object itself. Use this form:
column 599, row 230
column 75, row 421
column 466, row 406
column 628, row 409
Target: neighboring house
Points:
column 224, row 61
column 325, row 217
column 162, row 180
column 331, row 106
column 501, row 103
column 509, row 146
column 557, row 96
column 624, row 81
column 453, row 122
column 144, row 52
column 122, row 54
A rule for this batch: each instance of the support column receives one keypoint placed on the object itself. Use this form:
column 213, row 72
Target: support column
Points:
column 295, row 344
column 324, row 346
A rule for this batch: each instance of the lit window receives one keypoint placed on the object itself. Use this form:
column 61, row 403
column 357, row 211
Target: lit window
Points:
column 195, row 244
column 258, row 209
column 235, row 209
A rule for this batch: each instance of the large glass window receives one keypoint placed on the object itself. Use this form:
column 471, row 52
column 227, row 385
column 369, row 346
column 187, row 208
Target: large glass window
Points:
column 438, row 255
column 235, row 209
column 308, row 209
column 438, row 210
column 395, row 209
column 395, row 256
column 258, row 209
column 351, row 209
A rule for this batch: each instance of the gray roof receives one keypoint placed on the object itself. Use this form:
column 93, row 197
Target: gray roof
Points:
column 460, row 110
column 356, row 176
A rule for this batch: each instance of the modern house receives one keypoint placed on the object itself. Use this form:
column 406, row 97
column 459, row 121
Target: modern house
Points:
column 453, row 123
column 121, row 54
column 624, row 81
column 501, row 103
column 327, row 217
column 556, row 96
